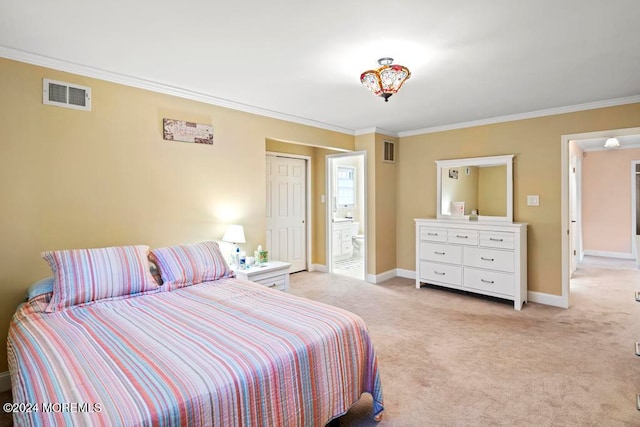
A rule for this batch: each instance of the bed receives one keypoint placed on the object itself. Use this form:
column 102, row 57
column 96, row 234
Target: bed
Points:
column 218, row 352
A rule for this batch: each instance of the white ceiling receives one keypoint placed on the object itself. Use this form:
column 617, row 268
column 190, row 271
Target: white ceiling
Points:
column 470, row 60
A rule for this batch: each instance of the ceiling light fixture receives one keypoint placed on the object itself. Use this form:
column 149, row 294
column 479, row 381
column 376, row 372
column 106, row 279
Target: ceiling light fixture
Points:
column 386, row 80
column 612, row 143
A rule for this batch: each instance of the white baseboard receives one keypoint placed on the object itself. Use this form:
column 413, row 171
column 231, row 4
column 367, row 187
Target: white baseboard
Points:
column 377, row 278
column 407, row 274
column 532, row 296
column 318, row 267
column 5, row 381
column 546, row 299
column 621, row 255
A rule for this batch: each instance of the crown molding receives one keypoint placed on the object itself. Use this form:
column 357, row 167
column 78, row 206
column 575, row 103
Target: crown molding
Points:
column 622, row 147
column 523, row 116
column 123, row 79
column 83, row 70
column 376, row 130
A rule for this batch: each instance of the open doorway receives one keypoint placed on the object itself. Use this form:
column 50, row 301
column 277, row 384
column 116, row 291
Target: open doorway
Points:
column 346, row 214
column 598, row 196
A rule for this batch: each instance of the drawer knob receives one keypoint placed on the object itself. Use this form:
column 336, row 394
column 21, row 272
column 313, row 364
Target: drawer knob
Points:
column 486, row 259
column 274, row 285
column 432, row 234
column 439, row 273
column 438, row 253
column 461, row 237
column 495, row 240
column 486, row 281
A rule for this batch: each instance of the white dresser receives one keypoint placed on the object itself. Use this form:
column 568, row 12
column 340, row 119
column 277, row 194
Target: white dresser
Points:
column 482, row 257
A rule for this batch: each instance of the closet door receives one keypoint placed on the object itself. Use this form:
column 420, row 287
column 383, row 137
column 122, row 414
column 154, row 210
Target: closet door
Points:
column 286, row 211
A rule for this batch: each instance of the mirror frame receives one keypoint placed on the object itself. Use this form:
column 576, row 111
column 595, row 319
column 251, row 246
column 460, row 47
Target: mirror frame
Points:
column 477, row 161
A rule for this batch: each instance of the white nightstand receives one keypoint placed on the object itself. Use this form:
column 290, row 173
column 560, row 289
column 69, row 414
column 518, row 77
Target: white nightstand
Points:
column 274, row 274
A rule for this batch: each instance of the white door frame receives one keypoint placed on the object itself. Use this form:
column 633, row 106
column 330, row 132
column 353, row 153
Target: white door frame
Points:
column 633, row 208
column 563, row 300
column 307, row 223
column 329, row 203
column 576, row 162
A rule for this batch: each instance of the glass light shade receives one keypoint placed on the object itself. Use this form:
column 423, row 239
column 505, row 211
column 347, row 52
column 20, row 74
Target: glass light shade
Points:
column 386, row 80
column 234, row 234
column 612, row 143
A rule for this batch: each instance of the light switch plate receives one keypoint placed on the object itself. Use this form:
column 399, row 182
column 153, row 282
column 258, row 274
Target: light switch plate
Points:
column 322, row 198
column 533, row 200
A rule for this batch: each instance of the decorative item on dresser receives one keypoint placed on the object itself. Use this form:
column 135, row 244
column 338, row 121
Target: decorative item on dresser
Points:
column 485, row 258
column 273, row 274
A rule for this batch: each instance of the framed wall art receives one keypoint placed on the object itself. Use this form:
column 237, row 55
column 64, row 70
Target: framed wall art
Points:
column 179, row 130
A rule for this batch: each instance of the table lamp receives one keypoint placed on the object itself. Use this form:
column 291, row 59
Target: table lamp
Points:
column 235, row 235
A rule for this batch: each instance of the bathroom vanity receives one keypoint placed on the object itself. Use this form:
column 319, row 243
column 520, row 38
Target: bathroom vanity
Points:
column 341, row 238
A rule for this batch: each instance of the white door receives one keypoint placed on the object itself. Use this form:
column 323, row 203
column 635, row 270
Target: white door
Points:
column 574, row 214
column 286, row 211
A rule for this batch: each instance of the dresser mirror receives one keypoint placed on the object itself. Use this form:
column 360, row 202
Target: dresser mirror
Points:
column 479, row 187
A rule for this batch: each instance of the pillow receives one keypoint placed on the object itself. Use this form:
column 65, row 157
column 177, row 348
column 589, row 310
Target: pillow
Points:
column 85, row 275
column 41, row 287
column 190, row 264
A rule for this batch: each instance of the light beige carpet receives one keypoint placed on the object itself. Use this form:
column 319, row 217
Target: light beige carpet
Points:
column 452, row 359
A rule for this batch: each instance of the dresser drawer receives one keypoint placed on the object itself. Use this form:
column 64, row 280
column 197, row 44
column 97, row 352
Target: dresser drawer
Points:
column 273, row 282
column 489, row 258
column 497, row 239
column 444, row 273
column 441, row 253
column 489, row 281
column 462, row 237
column 433, row 234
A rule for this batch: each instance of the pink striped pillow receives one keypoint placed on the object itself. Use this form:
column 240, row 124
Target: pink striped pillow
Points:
column 85, row 275
column 190, row 264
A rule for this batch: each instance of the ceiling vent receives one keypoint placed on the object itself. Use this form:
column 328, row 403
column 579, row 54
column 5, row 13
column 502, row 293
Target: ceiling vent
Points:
column 67, row 95
column 389, row 152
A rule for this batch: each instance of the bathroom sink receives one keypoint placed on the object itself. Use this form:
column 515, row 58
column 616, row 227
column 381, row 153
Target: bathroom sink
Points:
column 342, row 219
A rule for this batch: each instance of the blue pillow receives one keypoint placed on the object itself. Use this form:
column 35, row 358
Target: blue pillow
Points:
column 41, row 287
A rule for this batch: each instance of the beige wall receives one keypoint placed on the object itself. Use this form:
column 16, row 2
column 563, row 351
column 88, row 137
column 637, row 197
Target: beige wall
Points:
column 606, row 200
column 73, row 179
column 536, row 144
column 385, row 188
column 492, row 190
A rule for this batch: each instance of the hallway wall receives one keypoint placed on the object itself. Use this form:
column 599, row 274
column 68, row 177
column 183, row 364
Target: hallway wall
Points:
column 606, row 200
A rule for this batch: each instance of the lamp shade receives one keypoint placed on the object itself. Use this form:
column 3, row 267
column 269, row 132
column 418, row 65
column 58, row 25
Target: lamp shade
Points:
column 612, row 143
column 234, row 234
column 386, row 80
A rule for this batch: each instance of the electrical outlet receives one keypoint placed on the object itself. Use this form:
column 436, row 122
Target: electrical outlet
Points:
column 533, row 200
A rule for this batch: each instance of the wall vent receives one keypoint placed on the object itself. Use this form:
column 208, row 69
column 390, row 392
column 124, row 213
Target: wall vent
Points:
column 67, row 95
column 389, row 152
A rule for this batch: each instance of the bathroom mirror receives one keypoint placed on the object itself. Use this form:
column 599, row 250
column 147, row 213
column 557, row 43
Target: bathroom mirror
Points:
column 483, row 184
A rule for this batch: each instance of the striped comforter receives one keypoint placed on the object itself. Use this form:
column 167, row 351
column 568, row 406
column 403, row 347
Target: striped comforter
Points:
column 227, row 352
